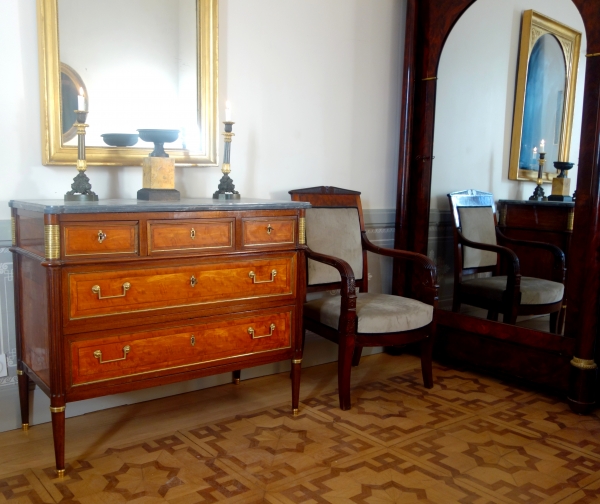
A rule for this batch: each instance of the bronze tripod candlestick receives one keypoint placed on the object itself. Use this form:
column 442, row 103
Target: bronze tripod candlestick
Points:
column 538, row 193
column 226, row 188
column 81, row 189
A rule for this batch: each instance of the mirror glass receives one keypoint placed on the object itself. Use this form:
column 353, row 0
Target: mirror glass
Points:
column 544, row 102
column 475, row 104
column 137, row 59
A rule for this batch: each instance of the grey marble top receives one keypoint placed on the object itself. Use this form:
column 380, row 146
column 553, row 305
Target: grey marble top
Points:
column 545, row 203
column 134, row 205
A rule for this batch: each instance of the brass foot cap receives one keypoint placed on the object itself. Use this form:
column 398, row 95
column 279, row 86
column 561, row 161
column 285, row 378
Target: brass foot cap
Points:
column 236, row 381
column 60, row 473
column 295, row 412
column 25, row 426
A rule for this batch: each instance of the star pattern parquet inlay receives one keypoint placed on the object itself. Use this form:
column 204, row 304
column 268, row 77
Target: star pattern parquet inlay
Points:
column 471, row 439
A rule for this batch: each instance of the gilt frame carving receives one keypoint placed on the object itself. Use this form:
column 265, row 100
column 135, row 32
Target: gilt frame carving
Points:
column 53, row 150
column 534, row 25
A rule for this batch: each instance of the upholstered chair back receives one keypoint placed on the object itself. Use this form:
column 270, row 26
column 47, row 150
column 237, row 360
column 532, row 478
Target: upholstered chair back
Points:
column 477, row 224
column 336, row 232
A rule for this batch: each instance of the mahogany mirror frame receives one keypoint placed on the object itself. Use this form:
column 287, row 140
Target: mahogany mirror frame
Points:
column 562, row 363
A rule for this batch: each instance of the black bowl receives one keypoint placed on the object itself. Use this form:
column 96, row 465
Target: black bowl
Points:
column 158, row 135
column 120, row 139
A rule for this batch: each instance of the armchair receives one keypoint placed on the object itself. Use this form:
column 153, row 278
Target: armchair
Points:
column 337, row 259
column 480, row 247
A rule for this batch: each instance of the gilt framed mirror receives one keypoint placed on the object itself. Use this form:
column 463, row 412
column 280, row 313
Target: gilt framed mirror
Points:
column 544, row 97
column 145, row 64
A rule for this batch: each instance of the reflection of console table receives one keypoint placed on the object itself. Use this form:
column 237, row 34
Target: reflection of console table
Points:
column 550, row 222
column 123, row 295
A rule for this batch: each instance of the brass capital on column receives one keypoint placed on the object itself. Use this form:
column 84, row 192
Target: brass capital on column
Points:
column 302, row 231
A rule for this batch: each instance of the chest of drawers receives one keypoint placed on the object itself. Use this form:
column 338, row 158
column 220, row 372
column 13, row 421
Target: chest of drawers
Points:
column 121, row 295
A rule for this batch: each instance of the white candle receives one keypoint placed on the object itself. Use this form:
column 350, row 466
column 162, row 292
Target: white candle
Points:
column 228, row 110
column 81, row 105
column 542, row 144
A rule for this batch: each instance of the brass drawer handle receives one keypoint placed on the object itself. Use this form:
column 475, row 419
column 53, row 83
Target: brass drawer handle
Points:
column 193, row 233
column 101, row 236
column 98, row 355
column 96, row 290
column 269, row 229
column 251, row 332
column 193, row 281
column 254, row 280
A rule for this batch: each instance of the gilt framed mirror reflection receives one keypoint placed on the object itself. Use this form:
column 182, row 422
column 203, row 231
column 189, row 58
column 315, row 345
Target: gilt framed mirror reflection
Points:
column 544, row 97
column 141, row 64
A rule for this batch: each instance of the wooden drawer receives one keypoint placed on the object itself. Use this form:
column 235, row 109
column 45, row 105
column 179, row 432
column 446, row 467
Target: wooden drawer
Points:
column 193, row 234
column 176, row 349
column 102, row 237
column 261, row 232
column 111, row 292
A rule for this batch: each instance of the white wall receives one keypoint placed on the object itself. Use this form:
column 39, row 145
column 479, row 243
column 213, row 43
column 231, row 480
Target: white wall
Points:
column 314, row 88
column 475, row 99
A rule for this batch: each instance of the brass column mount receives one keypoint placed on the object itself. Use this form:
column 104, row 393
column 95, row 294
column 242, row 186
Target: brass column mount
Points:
column 52, row 241
column 302, row 231
column 13, row 231
column 57, row 409
column 585, row 364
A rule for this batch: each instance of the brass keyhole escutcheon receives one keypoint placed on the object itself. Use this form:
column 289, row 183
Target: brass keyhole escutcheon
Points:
column 193, row 340
column 193, row 234
column 101, row 236
column 193, row 281
column 269, row 229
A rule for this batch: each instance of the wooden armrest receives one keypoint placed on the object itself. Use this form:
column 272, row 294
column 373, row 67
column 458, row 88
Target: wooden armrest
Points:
column 426, row 264
column 557, row 253
column 511, row 258
column 344, row 269
column 427, row 268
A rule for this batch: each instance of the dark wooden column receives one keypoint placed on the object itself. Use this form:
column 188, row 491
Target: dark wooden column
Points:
column 584, row 261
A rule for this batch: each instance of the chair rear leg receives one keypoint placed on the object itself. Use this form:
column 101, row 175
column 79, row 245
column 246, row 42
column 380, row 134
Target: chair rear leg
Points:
column 356, row 356
column 345, row 354
column 554, row 322
column 426, row 356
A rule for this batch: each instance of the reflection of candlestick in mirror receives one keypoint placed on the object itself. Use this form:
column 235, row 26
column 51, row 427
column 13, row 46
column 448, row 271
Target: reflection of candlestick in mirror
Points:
column 542, row 146
column 535, row 153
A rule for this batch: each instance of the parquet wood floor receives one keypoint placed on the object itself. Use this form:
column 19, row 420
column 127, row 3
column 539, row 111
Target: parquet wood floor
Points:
column 470, row 439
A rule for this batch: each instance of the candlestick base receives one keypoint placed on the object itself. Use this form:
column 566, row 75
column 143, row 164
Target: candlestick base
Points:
column 226, row 189
column 538, row 194
column 81, row 189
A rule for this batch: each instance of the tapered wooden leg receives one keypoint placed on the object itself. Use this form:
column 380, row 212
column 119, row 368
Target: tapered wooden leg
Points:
column 356, row 356
column 58, row 432
column 345, row 354
column 561, row 319
column 426, row 368
column 24, row 399
column 236, row 376
column 296, row 370
column 554, row 322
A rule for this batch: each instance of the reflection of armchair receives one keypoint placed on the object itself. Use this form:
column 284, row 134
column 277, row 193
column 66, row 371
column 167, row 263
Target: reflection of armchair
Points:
column 337, row 259
column 479, row 247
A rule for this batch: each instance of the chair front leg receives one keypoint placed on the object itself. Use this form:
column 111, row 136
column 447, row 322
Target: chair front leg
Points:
column 356, row 356
column 345, row 354
column 426, row 357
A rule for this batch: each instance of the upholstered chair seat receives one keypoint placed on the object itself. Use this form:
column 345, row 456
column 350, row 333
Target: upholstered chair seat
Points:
column 336, row 253
column 375, row 313
column 534, row 291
